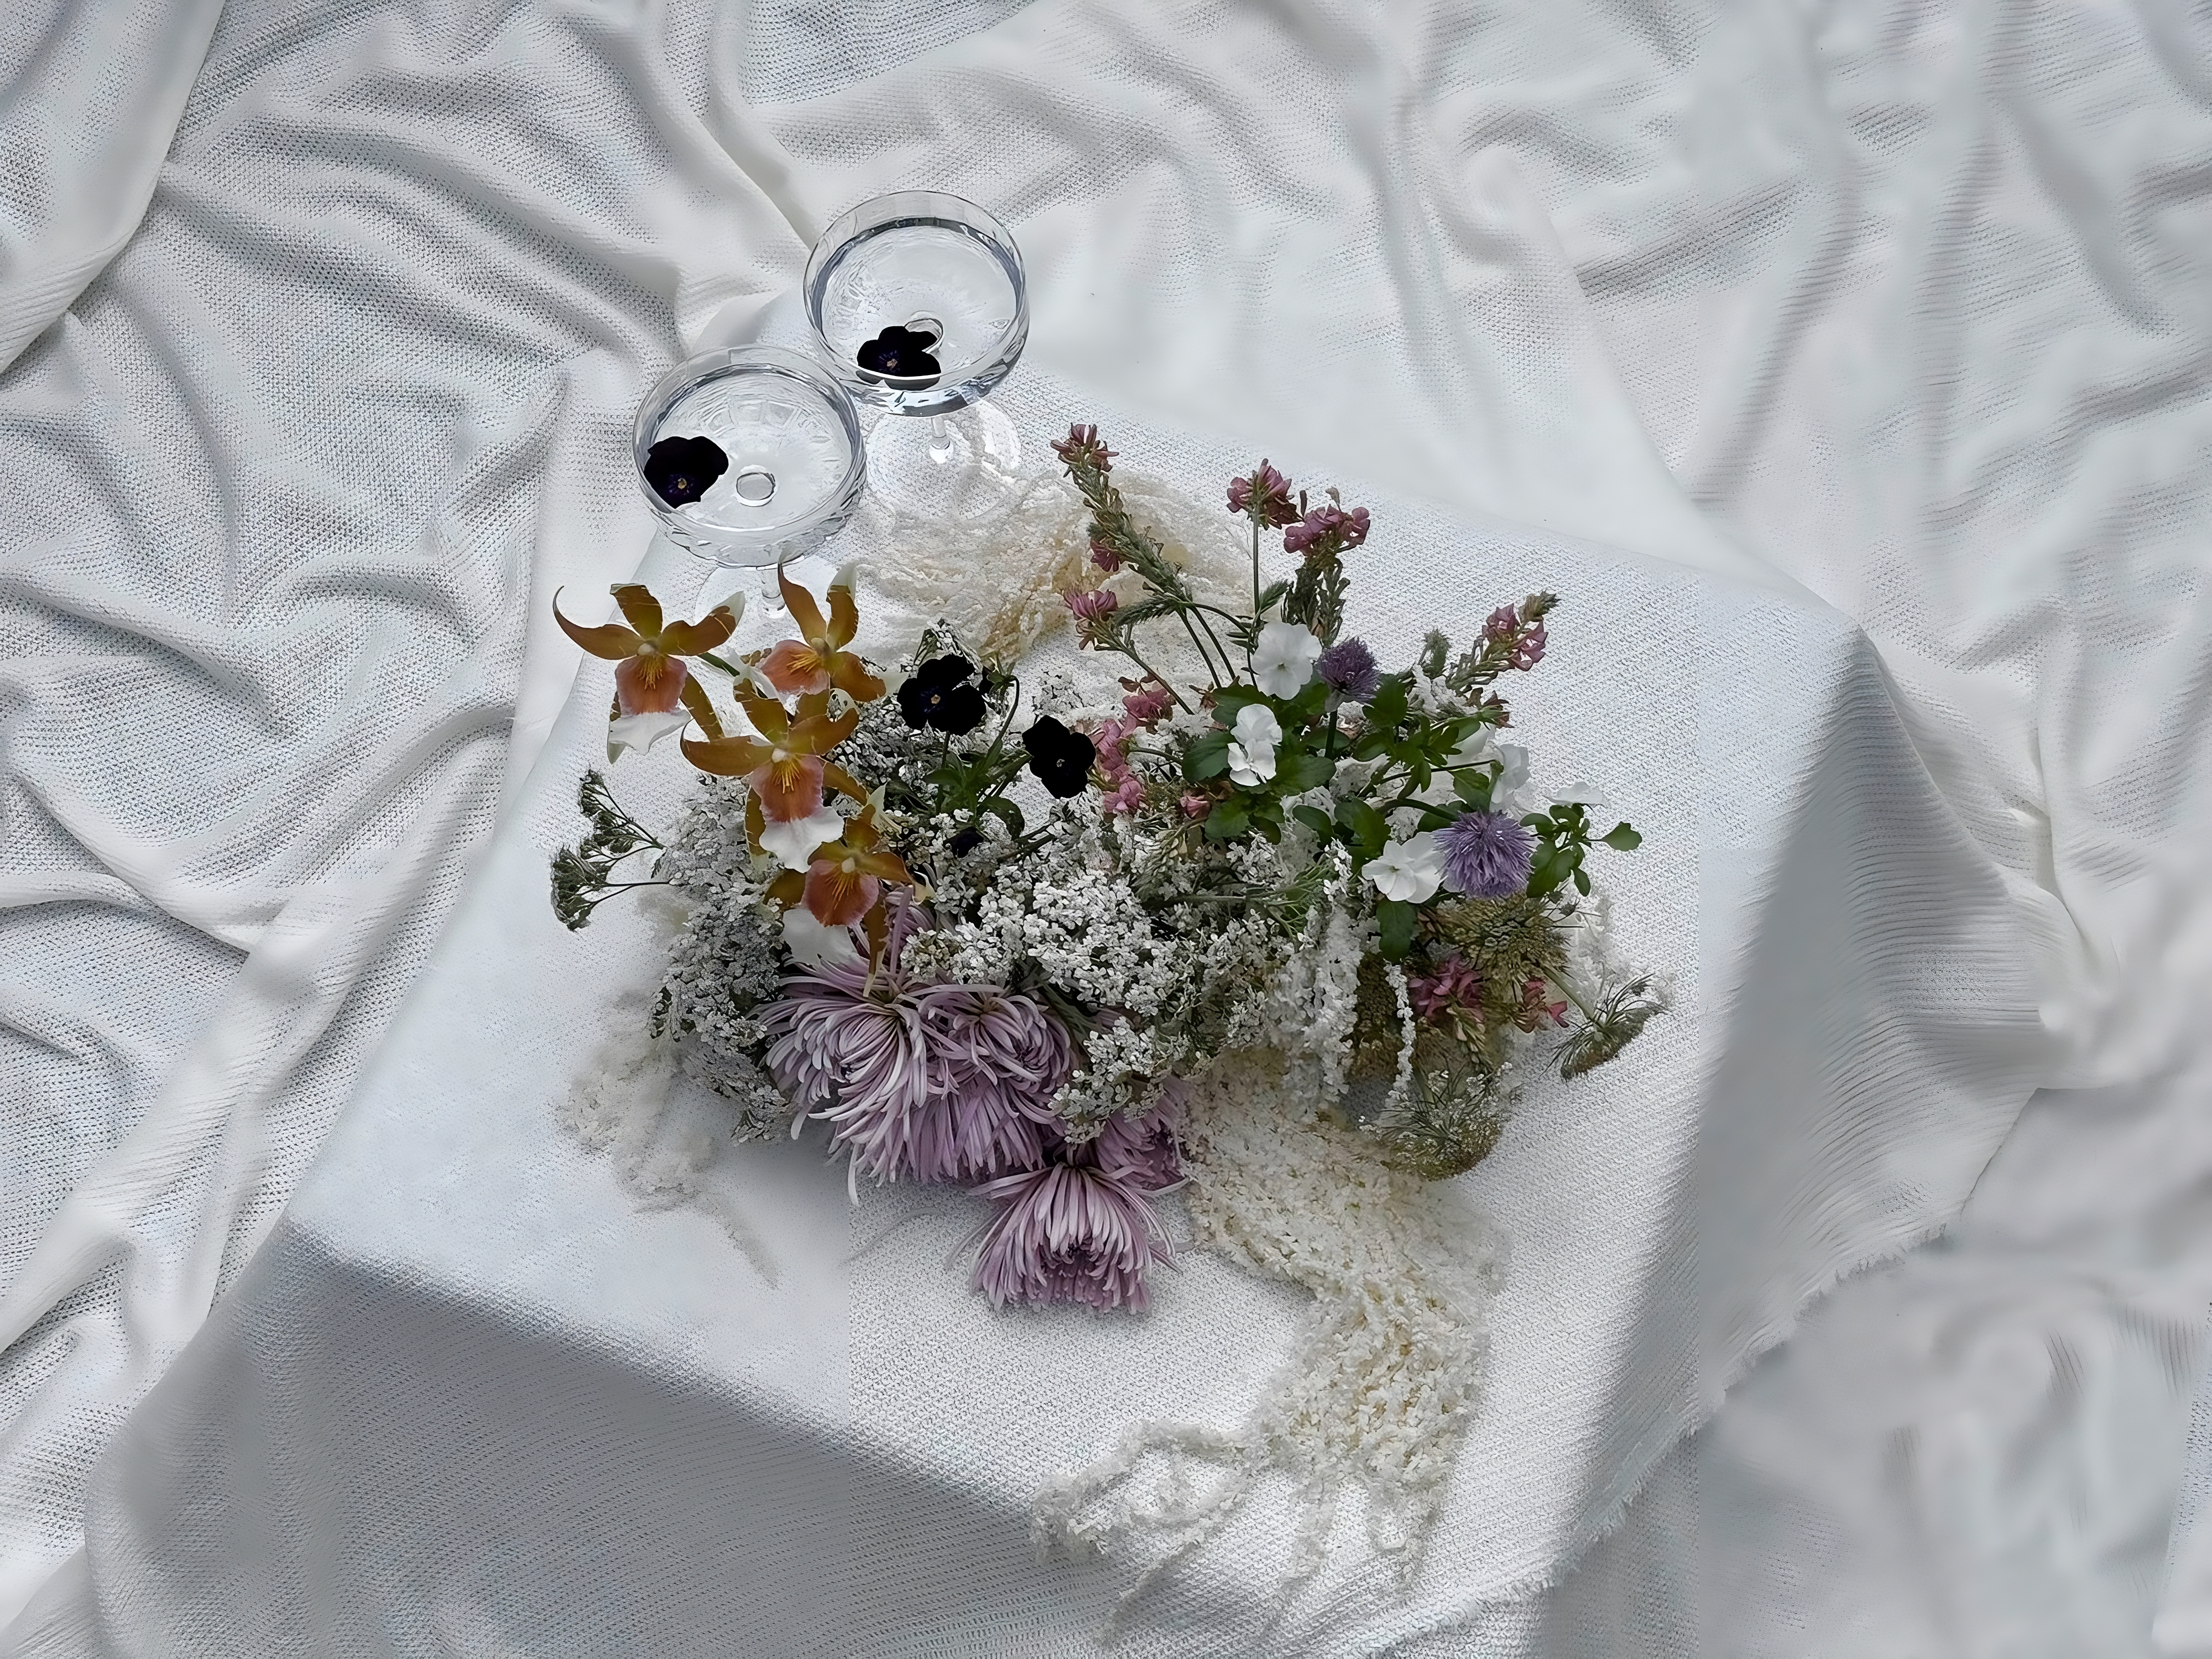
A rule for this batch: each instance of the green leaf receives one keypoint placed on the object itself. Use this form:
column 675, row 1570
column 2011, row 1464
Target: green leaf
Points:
column 1208, row 757
column 1396, row 917
column 1372, row 743
column 1368, row 828
column 1297, row 771
column 1231, row 699
column 1304, row 708
column 1435, row 650
column 1622, row 839
column 1316, row 820
column 1229, row 819
column 1007, row 813
column 1581, row 881
column 1474, row 787
column 1386, row 709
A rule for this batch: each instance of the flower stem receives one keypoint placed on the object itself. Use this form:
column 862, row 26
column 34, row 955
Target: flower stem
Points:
column 1255, row 589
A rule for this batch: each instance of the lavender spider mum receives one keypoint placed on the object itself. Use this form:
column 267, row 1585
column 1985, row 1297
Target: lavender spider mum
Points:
column 930, row 1082
column 1069, row 1232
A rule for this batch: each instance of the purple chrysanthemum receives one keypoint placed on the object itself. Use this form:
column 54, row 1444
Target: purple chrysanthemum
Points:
column 1349, row 667
column 1069, row 1232
column 1487, row 855
column 930, row 1082
column 1142, row 1149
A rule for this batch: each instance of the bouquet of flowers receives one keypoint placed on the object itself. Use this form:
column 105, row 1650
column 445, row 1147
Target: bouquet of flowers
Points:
column 996, row 940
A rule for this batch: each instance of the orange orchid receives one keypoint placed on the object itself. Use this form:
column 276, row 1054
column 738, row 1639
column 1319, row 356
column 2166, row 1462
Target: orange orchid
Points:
column 818, row 659
column 783, row 765
column 650, row 678
column 847, row 876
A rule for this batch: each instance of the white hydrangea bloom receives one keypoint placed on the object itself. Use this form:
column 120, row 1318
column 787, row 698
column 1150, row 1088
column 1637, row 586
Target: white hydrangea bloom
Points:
column 1252, row 744
column 1410, row 870
column 1282, row 660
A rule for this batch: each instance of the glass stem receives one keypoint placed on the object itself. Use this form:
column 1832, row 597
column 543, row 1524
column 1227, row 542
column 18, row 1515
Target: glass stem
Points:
column 940, row 438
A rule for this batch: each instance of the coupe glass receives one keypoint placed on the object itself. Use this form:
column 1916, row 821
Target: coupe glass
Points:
column 793, row 459
column 919, row 307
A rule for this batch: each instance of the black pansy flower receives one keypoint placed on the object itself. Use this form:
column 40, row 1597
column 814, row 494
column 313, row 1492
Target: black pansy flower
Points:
column 964, row 842
column 900, row 353
column 937, row 694
column 1060, row 759
column 681, row 470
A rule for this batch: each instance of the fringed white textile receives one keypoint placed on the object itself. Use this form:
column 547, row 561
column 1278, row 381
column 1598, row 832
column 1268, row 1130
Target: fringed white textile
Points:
column 1379, row 1391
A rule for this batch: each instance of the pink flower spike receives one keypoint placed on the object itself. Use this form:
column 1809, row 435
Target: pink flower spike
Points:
column 1195, row 806
column 1094, row 605
column 1103, row 555
column 1152, row 704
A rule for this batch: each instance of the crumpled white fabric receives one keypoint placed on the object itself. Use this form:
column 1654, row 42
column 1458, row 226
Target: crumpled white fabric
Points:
column 1905, row 303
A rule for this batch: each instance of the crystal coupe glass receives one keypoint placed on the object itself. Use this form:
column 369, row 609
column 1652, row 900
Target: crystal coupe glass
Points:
column 750, row 456
column 919, row 307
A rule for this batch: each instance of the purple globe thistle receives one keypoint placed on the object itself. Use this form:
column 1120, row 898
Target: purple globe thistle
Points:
column 1487, row 855
column 1071, row 1231
column 1349, row 667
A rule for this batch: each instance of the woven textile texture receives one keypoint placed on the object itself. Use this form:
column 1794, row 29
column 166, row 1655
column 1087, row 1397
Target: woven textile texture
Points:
column 1898, row 301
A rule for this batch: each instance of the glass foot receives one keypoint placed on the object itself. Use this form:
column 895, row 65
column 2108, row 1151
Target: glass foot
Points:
column 960, row 468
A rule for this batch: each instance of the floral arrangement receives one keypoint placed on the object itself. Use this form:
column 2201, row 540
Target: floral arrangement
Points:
column 993, row 940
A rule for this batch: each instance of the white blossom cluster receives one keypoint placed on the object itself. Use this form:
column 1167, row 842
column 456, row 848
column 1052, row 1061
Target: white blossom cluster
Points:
column 726, row 959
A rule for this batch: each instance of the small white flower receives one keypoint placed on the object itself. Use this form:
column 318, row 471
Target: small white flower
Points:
column 815, row 943
column 791, row 843
column 1588, row 796
column 1283, row 661
column 1252, row 743
column 1411, row 870
column 642, row 731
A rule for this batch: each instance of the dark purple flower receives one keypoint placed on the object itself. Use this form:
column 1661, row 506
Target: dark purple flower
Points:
column 1071, row 1232
column 1487, row 855
column 1060, row 759
column 1349, row 667
column 1327, row 529
column 681, row 470
column 939, row 695
column 1105, row 554
column 901, row 354
column 1264, row 498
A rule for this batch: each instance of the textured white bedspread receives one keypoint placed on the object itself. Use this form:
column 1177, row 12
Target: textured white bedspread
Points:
column 1908, row 302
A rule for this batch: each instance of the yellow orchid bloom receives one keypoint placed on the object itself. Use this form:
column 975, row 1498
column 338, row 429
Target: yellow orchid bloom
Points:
column 650, row 678
column 818, row 659
column 783, row 765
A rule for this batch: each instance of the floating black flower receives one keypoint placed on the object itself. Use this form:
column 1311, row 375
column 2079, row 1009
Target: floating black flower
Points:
column 1060, row 759
column 937, row 694
column 964, row 842
column 900, row 353
column 681, row 470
